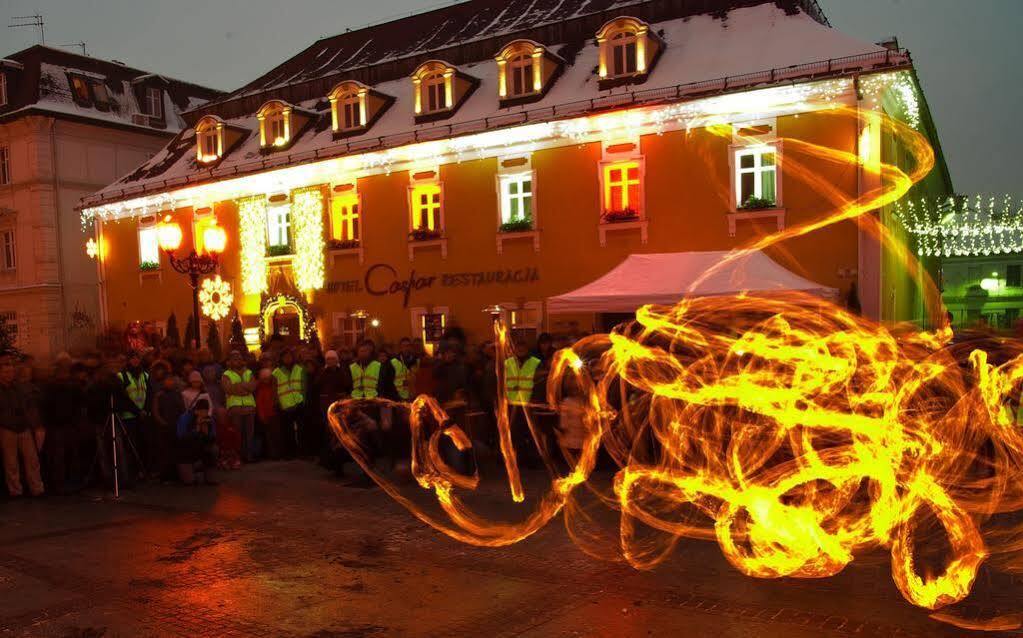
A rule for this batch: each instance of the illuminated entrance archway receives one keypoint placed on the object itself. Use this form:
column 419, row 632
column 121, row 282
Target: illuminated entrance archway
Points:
column 287, row 316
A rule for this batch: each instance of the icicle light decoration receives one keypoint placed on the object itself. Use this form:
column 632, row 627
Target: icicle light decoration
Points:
column 307, row 222
column 964, row 226
column 901, row 88
column 252, row 244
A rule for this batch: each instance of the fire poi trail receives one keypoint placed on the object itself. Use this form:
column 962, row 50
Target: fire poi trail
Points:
column 793, row 433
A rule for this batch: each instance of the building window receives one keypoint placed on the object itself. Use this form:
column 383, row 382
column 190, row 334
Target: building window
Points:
column 5, row 165
column 80, row 88
column 521, row 71
column 278, row 226
column 345, row 226
column 274, row 124
column 209, row 140
column 623, row 54
column 349, row 330
column 517, row 198
column 433, row 84
column 9, row 324
column 434, row 93
column 623, row 192
column 10, row 259
column 3, row 89
column 101, row 95
column 756, row 177
column 426, row 208
column 149, row 248
column 153, row 102
column 349, row 107
column 1013, row 276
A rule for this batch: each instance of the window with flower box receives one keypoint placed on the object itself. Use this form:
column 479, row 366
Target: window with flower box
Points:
column 756, row 178
column 149, row 246
column 427, row 207
column 516, row 202
column 278, row 230
column 345, row 221
column 623, row 192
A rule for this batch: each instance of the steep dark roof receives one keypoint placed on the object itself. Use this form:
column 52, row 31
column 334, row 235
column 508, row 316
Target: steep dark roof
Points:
column 41, row 82
column 460, row 34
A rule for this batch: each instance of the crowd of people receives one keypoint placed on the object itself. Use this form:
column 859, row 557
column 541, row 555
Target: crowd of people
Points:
column 170, row 414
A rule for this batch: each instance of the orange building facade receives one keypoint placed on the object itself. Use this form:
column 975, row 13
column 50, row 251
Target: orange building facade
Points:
column 442, row 217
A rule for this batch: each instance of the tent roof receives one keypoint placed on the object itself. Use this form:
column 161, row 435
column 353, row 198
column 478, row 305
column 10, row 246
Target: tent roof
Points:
column 665, row 278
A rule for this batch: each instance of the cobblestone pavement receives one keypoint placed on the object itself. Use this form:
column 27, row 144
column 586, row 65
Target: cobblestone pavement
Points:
column 281, row 549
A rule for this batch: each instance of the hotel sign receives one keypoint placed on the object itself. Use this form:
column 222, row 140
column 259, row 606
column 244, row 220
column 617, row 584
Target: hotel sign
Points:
column 382, row 280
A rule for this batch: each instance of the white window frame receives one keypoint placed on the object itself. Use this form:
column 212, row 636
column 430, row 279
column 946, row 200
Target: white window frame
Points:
column 153, row 98
column 351, row 112
column 522, row 66
column 5, row 165
column 275, row 213
column 340, row 330
column 209, row 144
column 3, row 89
column 9, row 254
column 622, row 40
column 757, row 150
column 505, row 181
column 435, row 85
column 348, row 200
column 149, row 243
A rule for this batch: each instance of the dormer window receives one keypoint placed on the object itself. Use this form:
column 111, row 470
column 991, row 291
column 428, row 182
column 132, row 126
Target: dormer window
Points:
column 152, row 104
column 274, row 124
column 627, row 49
column 3, row 89
column 348, row 106
column 101, row 96
column 209, row 140
column 439, row 89
column 525, row 69
column 80, row 88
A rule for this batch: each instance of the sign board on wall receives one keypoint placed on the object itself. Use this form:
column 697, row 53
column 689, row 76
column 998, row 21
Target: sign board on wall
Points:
column 383, row 280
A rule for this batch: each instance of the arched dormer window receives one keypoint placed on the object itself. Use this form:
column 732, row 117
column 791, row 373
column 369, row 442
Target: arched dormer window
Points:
column 627, row 49
column 209, row 139
column 434, row 87
column 274, row 124
column 348, row 106
column 520, row 69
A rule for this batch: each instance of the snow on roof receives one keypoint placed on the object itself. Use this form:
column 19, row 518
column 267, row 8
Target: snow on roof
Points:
column 698, row 48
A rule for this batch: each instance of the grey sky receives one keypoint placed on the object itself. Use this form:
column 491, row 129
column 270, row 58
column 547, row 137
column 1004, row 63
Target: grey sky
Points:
column 967, row 53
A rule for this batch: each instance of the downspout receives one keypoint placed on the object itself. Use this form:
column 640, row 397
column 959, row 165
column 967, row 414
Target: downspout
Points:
column 60, row 243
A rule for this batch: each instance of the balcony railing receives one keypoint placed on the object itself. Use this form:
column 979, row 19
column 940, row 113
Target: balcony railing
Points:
column 888, row 59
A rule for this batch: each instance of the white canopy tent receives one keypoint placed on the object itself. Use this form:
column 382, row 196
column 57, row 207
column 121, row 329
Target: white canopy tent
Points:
column 665, row 278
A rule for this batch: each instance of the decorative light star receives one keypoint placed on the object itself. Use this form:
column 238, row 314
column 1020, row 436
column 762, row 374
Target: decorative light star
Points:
column 215, row 297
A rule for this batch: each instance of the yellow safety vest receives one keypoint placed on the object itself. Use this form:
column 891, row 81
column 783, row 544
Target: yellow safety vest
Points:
column 364, row 381
column 289, row 387
column 239, row 400
column 401, row 373
column 518, row 381
column 136, row 389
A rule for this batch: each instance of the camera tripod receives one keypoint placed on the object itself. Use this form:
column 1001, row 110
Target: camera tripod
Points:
column 117, row 431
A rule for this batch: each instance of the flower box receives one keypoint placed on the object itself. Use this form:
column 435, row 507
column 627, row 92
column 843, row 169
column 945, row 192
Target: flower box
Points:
column 343, row 244
column 517, row 226
column 279, row 251
column 758, row 203
column 149, row 266
column 424, row 234
column 618, row 216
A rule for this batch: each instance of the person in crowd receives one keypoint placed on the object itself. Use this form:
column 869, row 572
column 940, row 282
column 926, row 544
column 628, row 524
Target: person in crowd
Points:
column 334, row 383
column 268, row 418
column 194, row 388
column 62, row 414
column 105, row 400
column 237, row 444
column 365, row 372
column 313, row 429
column 135, row 381
column 484, row 382
column 196, row 449
column 519, row 382
column 28, row 378
column 17, row 418
column 452, row 378
column 404, row 365
column 168, row 407
column 545, row 349
column 290, row 377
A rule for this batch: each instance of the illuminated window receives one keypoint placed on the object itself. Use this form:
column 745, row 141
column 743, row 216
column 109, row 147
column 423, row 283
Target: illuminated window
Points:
column 622, row 189
column 434, row 93
column 626, row 48
column 80, row 88
column 426, row 208
column 348, row 106
column 520, row 68
column 525, row 322
column 209, row 140
column 345, row 225
column 349, row 330
column 153, row 102
column 100, row 94
column 623, row 54
column 3, row 89
column 278, row 227
column 274, row 124
column 149, row 247
column 5, row 165
column 516, row 198
column 9, row 256
column 756, row 176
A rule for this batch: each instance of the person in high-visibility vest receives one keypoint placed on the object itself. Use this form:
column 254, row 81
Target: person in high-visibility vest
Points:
column 134, row 381
column 404, row 364
column 290, row 380
column 365, row 373
column 520, row 375
column 238, row 387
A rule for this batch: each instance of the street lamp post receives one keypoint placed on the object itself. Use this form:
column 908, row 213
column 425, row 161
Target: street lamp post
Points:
column 195, row 264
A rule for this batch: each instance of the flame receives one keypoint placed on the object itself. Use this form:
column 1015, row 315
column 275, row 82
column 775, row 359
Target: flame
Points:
column 790, row 431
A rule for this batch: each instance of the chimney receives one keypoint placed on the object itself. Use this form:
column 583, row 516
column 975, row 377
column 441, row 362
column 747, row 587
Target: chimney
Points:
column 891, row 43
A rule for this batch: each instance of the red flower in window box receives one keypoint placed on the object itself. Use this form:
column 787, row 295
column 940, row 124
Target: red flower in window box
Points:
column 343, row 244
column 424, row 234
column 618, row 216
